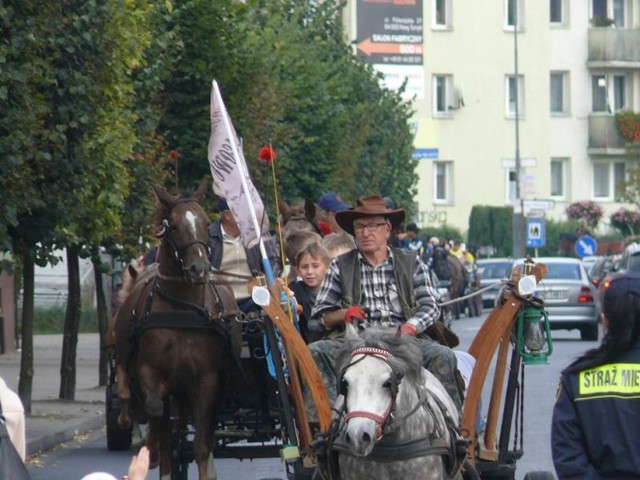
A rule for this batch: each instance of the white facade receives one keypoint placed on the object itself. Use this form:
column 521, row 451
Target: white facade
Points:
column 465, row 118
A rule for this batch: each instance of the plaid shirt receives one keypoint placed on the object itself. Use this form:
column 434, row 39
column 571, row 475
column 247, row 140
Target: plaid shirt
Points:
column 379, row 293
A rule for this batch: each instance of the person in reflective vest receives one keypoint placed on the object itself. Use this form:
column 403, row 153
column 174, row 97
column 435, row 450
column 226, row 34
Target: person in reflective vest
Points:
column 596, row 417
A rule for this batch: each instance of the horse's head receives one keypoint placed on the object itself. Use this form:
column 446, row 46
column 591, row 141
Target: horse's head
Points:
column 184, row 234
column 306, row 216
column 373, row 369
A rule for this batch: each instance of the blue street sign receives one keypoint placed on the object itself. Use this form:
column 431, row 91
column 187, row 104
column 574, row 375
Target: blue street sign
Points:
column 535, row 233
column 586, row 246
column 425, row 154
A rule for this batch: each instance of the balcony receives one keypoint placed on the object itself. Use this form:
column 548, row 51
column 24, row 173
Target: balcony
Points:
column 603, row 135
column 609, row 47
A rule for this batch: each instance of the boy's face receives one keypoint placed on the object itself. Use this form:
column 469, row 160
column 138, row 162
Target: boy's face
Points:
column 311, row 270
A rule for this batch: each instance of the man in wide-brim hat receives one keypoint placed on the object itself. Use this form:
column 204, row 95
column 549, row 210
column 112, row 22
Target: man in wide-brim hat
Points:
column 382, row 286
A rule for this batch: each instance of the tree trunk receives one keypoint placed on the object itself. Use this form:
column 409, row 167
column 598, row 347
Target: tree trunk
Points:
column 26, row 360
column 103, row 320
column 71, row 327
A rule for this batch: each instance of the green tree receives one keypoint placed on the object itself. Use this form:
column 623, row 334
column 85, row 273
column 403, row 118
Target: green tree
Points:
column 287, row 76
column 29, row 199
column 491, row 226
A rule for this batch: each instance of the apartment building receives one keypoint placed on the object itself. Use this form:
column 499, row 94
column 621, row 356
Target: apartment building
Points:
column 578, row 62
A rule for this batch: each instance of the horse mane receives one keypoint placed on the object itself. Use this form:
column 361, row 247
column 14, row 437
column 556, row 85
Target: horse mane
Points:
column 133, row 274
column 406, row 356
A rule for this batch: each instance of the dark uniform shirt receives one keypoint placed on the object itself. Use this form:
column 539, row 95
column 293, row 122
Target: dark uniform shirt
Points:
column 595, row 432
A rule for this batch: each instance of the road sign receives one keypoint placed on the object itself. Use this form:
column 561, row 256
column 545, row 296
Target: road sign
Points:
column 538, row 204
column 535, row 213
column 535, row 233
column 586, row 246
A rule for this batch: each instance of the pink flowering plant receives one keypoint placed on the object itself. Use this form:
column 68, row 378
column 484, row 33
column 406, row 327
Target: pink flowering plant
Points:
column 587, row 212
column 626, row 221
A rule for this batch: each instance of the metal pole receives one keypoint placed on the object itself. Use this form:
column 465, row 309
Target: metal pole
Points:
column 518, row 243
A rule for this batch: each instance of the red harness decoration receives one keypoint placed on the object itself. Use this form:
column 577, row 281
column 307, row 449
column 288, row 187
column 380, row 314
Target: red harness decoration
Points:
column 379, row 419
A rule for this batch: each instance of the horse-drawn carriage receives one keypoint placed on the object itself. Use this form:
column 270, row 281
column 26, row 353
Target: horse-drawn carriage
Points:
column 178, row 337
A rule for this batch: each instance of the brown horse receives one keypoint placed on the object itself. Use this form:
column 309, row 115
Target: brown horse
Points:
column 174, row 335
column 450, row 271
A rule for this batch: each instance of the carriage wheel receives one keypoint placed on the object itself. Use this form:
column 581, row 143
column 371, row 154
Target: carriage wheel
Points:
column 181, row 445
column 117, row 438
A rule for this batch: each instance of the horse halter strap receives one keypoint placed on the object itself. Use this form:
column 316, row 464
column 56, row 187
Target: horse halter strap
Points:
column 380, row 420
column 165, row 232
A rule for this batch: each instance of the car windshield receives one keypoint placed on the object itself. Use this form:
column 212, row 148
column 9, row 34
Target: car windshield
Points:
column 562, row 271
column 494, row 270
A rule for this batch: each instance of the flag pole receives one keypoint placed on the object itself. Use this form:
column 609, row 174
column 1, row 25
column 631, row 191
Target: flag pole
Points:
column 243, row 179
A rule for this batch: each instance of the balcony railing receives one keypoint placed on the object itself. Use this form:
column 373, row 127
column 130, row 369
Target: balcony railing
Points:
column 614, row 45
column 603, row 133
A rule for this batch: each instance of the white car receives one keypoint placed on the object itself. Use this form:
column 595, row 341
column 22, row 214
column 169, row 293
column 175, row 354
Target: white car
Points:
column 569, row 295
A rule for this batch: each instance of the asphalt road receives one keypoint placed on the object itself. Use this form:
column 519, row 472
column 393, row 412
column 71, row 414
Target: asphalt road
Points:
column 89, row 453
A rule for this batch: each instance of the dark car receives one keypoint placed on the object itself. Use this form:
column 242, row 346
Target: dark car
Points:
column 601, row 268
column 628, row 264
column 492, row 271
column 569, row 295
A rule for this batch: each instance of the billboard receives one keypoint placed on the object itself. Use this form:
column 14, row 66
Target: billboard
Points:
column 390, row 36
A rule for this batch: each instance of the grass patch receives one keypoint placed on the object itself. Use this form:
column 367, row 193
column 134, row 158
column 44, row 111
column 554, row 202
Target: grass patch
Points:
column 51, row 320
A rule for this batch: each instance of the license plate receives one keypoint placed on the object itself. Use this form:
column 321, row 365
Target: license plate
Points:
column 553, row 294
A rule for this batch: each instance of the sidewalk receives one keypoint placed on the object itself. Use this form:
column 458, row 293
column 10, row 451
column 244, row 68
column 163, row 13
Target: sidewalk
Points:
column 54, row 421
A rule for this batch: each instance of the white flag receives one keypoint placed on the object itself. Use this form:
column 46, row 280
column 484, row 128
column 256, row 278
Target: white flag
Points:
column 226, row 169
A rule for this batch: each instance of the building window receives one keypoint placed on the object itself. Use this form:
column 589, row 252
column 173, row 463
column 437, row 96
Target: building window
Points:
column 557, row 12
column 442, row 98
column 608, row 93
column 441, row 14
column 605, row 11
column 608, row 180
column 514, row 92
column 619, row 92
column 559, row 167
column 442, row 181
column 559, row 92
column 513, row 14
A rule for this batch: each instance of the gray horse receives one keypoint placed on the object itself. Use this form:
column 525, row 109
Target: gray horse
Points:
column 396, row 419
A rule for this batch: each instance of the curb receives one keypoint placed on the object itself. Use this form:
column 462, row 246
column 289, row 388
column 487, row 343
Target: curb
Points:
column 47, row 442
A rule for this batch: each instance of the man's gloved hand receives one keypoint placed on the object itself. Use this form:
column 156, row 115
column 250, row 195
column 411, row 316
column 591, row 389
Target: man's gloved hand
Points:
column 354, row 312
column 408, row 329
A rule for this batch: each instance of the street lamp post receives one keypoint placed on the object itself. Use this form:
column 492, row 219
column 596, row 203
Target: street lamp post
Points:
column 518, row 213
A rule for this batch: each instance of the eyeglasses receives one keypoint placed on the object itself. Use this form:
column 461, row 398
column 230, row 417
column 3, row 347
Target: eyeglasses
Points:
column 370, row 227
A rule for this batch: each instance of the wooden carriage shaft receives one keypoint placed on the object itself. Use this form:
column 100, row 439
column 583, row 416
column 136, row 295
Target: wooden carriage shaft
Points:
column 299, row 350
column 497, row 326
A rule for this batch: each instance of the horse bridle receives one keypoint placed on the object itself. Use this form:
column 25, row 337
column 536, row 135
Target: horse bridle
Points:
column 165, row 232
column 383, row 420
